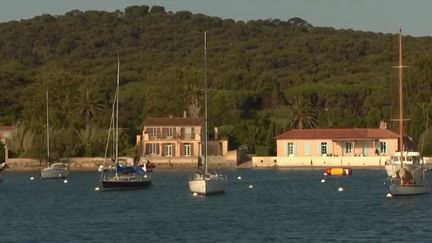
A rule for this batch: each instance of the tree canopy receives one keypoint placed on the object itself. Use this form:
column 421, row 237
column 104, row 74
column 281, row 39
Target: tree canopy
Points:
column 257, row 71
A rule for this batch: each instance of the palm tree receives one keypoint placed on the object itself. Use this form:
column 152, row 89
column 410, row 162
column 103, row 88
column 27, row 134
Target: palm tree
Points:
column 89, row 106
column 301, row 113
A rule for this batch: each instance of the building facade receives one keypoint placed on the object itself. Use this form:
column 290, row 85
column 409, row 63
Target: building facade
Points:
column 175, row 140
column 362, row 142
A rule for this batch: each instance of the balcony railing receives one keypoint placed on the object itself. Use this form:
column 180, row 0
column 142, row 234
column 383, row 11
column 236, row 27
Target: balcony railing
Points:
column 176, row 136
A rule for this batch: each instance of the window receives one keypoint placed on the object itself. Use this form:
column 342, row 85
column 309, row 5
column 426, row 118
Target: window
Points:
column 383, row 147
column 323, row 148
column 188, row 132
column 153, row 148
column 187, row 149
column 152, row 132
column 169, row 132
column 348, row 148
column 290, row 149
column 168, row 150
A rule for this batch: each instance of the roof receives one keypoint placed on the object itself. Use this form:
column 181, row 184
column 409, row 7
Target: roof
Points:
column 339, row 133
column 172, row 121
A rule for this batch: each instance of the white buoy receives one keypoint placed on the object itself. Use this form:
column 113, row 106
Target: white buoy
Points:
column 65, row 181
column 195, row 194
column 322, row 180
column 31, row 178
column 325, row 174
column 250, row 186
column 340, row 189
column 145, row 176
column 97, row 188
column 389, row 195
column 100, row 168
column 239, row 178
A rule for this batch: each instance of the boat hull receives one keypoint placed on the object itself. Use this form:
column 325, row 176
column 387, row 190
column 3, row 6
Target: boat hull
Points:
column 391, row 169
column 118, row 184
column 128, row 181
column 406, row 190
column 207, row 186
column 49, row 173
column 3, row 166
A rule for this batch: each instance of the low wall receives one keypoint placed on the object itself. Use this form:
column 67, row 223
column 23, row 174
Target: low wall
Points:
column 318, row 161
column 77, row 163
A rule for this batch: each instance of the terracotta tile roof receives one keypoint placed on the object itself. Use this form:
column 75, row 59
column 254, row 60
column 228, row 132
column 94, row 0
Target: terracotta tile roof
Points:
column 173, row 121
column 338, row 133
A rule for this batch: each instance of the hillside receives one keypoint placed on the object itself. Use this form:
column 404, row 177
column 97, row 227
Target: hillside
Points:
column 263, row 74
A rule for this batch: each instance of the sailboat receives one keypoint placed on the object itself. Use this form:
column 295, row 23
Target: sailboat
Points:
column 122, row 176
column 203, row 182
column 408, row 178
column 58, row 170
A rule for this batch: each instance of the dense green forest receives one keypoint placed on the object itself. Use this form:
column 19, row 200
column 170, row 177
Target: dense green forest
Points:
column 265, row 77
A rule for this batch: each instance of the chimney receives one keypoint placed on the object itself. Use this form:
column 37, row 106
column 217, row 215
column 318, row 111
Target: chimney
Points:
column 383, row 125
column 184, row 114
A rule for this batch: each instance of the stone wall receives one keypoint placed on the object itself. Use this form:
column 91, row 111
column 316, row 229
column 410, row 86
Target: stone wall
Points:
column 375, row 161
column 77, row 163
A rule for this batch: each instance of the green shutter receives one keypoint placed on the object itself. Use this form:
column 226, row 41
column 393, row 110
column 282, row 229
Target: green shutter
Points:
column 306, row 149
column 319, row 149
column 286, row 149
column 294, row 149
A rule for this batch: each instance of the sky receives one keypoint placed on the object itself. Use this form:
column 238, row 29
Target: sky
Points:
column 365, row 15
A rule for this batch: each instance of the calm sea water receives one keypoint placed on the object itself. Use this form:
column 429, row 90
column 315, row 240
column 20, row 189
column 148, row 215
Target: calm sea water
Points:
column 283, row 206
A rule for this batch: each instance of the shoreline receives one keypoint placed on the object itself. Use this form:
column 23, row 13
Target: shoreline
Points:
column 192, row 168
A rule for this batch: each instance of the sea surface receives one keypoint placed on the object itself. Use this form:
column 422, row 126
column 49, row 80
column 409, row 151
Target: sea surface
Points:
column 283, row 205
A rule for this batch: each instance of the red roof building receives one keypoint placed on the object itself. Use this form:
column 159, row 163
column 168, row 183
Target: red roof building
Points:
column 337, row 142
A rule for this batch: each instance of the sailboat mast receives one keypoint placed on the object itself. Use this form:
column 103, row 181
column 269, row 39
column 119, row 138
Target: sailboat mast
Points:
column 205, row 105
column 117, row 110
column 47, row 126
column 401, row 142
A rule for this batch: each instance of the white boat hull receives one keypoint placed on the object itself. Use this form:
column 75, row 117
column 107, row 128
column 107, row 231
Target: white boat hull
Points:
column 391, row 169
column 406, row 190
column 2, row 166
column 207, row 185
column 415, row 185
column 55, row 171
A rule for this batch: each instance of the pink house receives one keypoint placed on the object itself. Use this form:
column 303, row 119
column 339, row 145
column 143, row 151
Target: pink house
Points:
column 337, row 142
